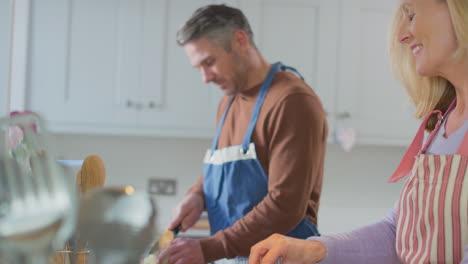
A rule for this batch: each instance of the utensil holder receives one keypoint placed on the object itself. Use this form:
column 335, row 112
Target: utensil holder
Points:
column 70, row 257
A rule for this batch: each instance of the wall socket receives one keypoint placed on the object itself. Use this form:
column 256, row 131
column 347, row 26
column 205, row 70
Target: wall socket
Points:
column 162, row 186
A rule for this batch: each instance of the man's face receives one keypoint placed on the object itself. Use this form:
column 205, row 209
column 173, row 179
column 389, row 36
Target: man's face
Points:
column 225, row 69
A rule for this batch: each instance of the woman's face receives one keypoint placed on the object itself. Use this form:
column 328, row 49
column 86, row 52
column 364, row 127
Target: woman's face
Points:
column 428, row 32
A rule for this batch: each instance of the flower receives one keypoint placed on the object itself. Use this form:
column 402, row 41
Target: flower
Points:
column 15, row 137
column 18, row 145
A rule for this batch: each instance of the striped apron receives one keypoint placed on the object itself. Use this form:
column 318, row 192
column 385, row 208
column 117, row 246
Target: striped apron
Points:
column 432, row 215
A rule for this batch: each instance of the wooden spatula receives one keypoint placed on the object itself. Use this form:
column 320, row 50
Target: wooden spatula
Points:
column 91, row 175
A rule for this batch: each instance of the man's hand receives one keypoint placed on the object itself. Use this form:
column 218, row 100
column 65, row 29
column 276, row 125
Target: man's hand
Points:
column 182, row 251
column 188, row 211
column 292, row 250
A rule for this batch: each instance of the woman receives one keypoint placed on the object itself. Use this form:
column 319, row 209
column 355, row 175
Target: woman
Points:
column 429, row 224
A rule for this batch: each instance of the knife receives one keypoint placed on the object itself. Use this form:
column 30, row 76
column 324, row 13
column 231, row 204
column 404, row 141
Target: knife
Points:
column 165, row 239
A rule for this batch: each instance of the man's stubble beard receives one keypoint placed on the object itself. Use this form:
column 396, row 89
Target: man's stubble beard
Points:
column 240, row 75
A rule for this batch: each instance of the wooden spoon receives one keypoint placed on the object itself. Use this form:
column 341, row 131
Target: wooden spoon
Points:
column 92, row 174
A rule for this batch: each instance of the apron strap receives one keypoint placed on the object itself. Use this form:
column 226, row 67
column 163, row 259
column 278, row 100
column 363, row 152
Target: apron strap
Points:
column 291, row 69
column 258, row 104
column 253, row 120
column 416, row 148
column 463, row 149
column 406, row 164
column 214, row 146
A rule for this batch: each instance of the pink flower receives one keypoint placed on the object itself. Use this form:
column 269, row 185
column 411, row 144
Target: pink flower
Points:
column 25, row 112
column 21, row 112
column 15, row 136
column 16, row 133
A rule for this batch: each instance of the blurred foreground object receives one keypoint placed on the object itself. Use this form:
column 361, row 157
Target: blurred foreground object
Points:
column 37, row 201
column 118, row 223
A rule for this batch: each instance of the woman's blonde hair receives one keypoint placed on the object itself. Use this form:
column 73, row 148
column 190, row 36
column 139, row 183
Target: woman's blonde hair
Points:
column 428, row 93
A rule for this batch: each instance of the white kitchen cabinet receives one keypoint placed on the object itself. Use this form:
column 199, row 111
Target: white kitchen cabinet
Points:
column 301, row 34
column 114, row 67
column 340, row 47
column 190, row 105
column 81, row 68
column 6, row 11
column 369, row 98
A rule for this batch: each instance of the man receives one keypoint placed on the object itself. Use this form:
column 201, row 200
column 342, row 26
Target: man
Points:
column 263, row 174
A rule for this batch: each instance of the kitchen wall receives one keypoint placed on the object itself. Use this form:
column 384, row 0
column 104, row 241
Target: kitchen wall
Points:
column 355, row 190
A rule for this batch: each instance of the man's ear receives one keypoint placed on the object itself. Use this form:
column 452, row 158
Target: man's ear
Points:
column 240, row 41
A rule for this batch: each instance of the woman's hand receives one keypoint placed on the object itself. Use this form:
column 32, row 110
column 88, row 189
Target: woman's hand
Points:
column 292, row 250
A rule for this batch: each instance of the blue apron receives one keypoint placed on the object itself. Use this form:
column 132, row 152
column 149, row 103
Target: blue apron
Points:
column 234, row 180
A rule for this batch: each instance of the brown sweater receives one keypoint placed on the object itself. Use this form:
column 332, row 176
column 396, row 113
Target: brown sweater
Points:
column 290, row 140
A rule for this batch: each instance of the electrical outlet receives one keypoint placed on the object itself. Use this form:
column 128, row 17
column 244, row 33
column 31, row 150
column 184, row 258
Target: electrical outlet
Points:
column 162, row 186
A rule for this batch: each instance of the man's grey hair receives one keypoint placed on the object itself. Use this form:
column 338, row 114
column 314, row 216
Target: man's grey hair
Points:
column 216, row 22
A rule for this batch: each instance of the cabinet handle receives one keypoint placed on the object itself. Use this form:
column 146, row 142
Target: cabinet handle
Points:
column 139, row 106
column 343, row 115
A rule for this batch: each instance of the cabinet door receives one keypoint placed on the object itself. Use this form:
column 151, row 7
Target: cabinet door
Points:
column 369, row 98
column 188, row 107
column 301, row 34
column 93, row 61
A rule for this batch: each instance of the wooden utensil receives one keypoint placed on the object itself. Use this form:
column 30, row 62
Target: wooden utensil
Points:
column 91, row 175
